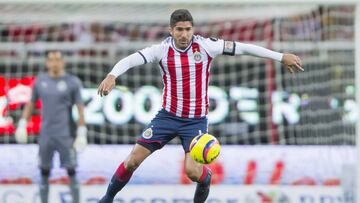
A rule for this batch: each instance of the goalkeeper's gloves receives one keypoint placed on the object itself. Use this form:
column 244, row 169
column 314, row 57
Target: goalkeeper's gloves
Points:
column 21, row 133
column 81, row 138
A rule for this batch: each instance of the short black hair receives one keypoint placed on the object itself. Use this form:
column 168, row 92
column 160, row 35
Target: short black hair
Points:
column 180, row 15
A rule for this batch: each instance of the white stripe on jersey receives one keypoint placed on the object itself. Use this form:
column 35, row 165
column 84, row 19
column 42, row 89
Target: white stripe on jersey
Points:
column 192, row 83
column 179, row 87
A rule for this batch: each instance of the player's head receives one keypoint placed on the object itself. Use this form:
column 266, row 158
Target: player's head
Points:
column 54, row 61
column 181, row 28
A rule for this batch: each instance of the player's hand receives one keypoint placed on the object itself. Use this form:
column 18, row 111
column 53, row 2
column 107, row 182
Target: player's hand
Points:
column 106, row 85
column 80, row 142
column 21, row 133
column 292, row 62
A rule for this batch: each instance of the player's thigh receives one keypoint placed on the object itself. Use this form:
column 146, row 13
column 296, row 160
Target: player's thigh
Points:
column 190, row 129
column 66, row 151
column 46, row 151
column 159, row 132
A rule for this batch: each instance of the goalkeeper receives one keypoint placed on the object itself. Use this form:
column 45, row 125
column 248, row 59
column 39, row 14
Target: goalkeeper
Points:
column 58, row 91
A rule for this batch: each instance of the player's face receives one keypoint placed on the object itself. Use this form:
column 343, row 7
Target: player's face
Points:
column 182, row 33
column 55, row 62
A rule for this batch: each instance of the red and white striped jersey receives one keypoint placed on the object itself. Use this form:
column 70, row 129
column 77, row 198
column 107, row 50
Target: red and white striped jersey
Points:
column 185, row 73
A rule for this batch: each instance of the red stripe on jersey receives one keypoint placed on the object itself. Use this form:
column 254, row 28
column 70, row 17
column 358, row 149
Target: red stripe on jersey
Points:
column 186, row 84
column 165, row 85
column 207, row 84
column 198, row 83
column 172, row 74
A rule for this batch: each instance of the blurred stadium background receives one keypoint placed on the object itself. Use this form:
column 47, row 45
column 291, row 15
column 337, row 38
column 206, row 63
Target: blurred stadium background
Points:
column 285, row 138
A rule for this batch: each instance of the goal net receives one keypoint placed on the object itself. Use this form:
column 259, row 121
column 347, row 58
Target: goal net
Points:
column 252, row 100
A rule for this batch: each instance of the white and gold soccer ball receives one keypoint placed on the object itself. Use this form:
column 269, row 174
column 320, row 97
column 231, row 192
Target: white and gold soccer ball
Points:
column 204, row 148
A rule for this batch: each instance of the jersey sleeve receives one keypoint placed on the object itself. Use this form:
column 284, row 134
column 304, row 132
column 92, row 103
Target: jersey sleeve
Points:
column 153, row 53
column 254, row 50
column 144, row 56
column 77, row 92
column 35, row 91
column 215, row 46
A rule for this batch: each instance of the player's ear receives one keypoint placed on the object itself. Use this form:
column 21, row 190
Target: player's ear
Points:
column 171, row 30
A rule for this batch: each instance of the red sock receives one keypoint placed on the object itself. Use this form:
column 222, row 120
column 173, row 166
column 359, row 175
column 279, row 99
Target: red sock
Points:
column 122, row 174
column 204, row 174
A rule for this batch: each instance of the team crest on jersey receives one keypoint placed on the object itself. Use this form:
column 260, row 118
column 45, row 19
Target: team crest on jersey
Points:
column 61, row 85
column 148, row 133
column 197, row 56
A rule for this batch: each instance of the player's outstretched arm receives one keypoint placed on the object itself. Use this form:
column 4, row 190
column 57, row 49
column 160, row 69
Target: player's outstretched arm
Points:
column 120, row 67
column 291, row 61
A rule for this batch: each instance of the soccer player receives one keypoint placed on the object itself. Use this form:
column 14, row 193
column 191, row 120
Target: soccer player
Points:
column 58, row 91
column 184, row 61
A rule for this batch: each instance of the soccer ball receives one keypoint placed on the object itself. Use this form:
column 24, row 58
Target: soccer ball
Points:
column 204, row 148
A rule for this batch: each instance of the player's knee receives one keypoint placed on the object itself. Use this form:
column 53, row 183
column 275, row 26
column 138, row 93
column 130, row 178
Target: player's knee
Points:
column 191, row 173
column 45, row 171
column 71, row 171
column 131, row 164
column 134, row 160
